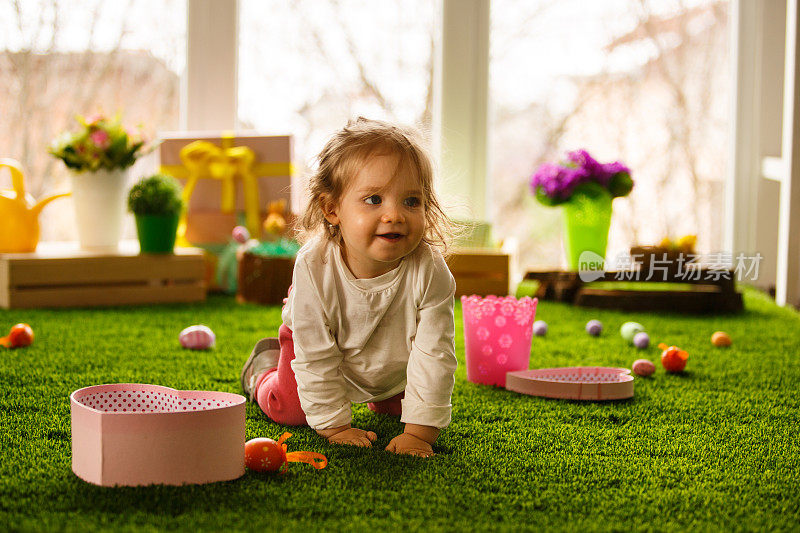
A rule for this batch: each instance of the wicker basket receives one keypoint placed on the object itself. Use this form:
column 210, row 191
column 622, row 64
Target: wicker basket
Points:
column 264, row 280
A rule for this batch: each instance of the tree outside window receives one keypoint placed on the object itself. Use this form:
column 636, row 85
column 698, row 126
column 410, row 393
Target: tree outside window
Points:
column 641, row 81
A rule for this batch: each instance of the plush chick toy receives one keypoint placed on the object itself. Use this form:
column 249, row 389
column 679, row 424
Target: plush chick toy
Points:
column 275, row 223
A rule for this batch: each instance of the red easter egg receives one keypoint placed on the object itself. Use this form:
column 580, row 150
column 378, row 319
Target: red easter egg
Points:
column 20, row 335
column 263, row 455
column 674, row 359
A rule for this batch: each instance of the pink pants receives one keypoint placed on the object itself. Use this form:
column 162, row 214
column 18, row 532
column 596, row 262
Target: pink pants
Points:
column 276, row 389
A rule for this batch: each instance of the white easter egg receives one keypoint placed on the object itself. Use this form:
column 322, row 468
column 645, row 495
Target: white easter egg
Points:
column 240, row 234
column 197, row 338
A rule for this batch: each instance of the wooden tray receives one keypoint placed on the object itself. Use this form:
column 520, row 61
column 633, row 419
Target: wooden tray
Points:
column 704, row 295
column 62, row 275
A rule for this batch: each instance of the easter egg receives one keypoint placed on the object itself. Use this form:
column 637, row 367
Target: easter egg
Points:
column 197, row 338
column 673, row 359
column 643, row 367
column 21, row 335
column 594, row 328
column 641, row 340
column 240, row 234
column 721, row 339
column 630, row 329
column 540, row 328
column 263, row 455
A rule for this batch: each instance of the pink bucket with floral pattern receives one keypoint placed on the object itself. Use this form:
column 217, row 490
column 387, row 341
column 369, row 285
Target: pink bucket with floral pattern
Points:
column 497, row 336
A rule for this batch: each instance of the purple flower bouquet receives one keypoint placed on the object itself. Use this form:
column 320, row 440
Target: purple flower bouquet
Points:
column 586, row 189
column 556, row 183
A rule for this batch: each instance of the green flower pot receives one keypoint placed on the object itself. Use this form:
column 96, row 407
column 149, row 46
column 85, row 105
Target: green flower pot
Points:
column 157, row 233
column 587, row 218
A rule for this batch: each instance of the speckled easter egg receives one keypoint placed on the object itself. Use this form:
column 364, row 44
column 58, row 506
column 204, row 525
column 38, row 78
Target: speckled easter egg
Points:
column 594, row 328
column 630, row 329
column 197, row 338
column 540, row 328
column 643, row 367
column 721, row 339
column 263, row 455
column 641, row 340
column 673, row 359
column 21, row 335
column 240, row 234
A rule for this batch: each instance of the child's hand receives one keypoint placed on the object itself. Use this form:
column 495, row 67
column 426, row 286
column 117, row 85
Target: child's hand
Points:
column 354, row 436
column 406, row 443
column 349, row 435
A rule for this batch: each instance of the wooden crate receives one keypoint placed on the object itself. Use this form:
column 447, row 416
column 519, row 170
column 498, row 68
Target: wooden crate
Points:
column 481, row 271
column 61, row 275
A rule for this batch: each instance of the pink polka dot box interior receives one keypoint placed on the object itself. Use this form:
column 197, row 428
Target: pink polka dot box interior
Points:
column 135, row 434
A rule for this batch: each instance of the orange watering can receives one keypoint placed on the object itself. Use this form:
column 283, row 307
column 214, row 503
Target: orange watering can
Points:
column 19, row 216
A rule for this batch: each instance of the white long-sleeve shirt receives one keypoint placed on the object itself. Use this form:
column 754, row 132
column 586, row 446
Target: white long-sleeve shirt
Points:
column 366, row 340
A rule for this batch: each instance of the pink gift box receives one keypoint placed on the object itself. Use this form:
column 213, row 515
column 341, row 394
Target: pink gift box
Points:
column 135, row 434
column 206, row 223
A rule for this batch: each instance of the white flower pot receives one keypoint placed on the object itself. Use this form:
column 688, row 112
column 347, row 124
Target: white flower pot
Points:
column 99, row 199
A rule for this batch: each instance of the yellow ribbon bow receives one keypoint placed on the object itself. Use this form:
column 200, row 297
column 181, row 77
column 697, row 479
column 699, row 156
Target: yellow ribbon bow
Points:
column 205, row 160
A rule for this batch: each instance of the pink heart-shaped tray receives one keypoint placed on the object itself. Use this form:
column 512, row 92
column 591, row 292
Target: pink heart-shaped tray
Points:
column 574, row 383
column 137, row 434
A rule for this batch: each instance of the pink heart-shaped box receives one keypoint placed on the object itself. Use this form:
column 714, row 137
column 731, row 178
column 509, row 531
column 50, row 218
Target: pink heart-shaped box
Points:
column 573, row 383
column 136, row 434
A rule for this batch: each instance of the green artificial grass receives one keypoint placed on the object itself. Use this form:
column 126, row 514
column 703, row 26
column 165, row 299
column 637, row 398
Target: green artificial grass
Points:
column 715, row 448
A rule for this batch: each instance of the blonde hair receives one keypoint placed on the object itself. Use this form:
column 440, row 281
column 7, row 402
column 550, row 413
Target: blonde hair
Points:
column 342, row 157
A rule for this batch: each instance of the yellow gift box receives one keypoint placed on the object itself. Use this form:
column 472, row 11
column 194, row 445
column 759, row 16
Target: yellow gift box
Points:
column 225, row 175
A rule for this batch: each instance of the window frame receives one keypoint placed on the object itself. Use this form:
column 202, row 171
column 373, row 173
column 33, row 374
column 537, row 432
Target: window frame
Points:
column 461, row 112
column 210, row 83
column 765, row 142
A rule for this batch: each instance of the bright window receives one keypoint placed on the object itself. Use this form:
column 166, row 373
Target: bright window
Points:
column 65, row 58
column 644, row 82
column 306, row 67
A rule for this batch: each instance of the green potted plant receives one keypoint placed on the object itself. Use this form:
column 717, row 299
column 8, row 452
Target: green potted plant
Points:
column 156, row 203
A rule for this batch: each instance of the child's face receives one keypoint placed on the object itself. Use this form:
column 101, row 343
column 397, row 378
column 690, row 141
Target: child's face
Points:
column 381, row 217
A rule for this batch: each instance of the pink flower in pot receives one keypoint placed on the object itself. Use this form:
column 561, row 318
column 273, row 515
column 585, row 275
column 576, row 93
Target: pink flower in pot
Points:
column 100, row 138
